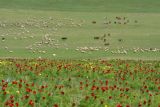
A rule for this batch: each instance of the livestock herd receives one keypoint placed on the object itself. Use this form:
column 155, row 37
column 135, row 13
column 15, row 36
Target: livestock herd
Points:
column 48, row 35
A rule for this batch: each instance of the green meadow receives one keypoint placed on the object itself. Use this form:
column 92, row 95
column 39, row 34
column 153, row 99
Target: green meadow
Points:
column 25, row 22
column 79, row 53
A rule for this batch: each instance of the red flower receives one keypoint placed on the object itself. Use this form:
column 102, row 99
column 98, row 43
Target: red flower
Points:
column 17, row 104
column 11, row 105
column 11, row 97
column 93, row 88
column 17, row 65
column 20, row 80
column 119, row 105
column 159, row 87
column 144, row 102
column 42, row 86
column 106, row 82
column 110, row 97
column 32, row 84
column 127, row 89
column 27, row 85
column 86, row 85
column 81, row 83
column 92, row 94
column 31, row 103
column 26, row 96
column 145, row 86
column 104, row 88
column 14, row 82
column 3, row 81
column 3, row 88
column 81, row 88
column 55, row 105
column 127, row 105
column 62, row 92
column 34, row 92
column 28, row 90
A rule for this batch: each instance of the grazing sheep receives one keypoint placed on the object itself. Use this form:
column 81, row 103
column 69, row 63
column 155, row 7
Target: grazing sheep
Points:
column 6, row 47
column 83, row 51
column 54, row 54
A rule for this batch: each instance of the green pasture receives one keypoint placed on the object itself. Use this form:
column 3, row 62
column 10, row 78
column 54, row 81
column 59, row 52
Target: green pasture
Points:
column 46, row 15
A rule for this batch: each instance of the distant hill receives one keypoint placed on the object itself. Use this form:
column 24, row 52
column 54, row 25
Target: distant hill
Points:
column 85, row 5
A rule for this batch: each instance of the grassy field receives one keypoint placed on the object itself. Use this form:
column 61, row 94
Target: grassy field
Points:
column 24, row 24
column 68, row 53
column 79, row 83
column 24, row 28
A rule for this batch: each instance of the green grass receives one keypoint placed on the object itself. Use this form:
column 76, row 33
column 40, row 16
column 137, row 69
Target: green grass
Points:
column 78, row 79
column 85, row 5
column 144, row 34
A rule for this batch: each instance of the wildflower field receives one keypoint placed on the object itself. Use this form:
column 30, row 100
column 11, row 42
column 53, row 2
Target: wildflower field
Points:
column 79, row 83
column 79, row 53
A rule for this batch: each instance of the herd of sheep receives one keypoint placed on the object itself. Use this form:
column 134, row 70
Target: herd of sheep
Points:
column 23, row 30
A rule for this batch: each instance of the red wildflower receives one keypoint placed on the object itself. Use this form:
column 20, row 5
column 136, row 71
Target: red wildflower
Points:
column 81, row 88
column 145, row 86
column 27, row 85
column 127, row 105
column 55, row 105
column 11, row 105
column 20, row 80
column 106, row 82
column 159, row 88
column 42, row 86
column 3, row 88
column 32, row 84
column 81, row 83
column 34, row 92
column 62, row 92
column 17, row 65
column 110, row 97
column 144, row 102
column 11, row 97
column 31, row 103
column 86, row 85
column 17, row 104
column 28, row 90
column 127, row 89
column 3, row 81
column 104, row 88
column 118, row 105
column 14, row 82
column 92, row 94
column 26, row 96
column 93, row 88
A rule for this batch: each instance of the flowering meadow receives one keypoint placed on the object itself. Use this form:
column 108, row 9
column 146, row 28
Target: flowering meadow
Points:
column 79, row 83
